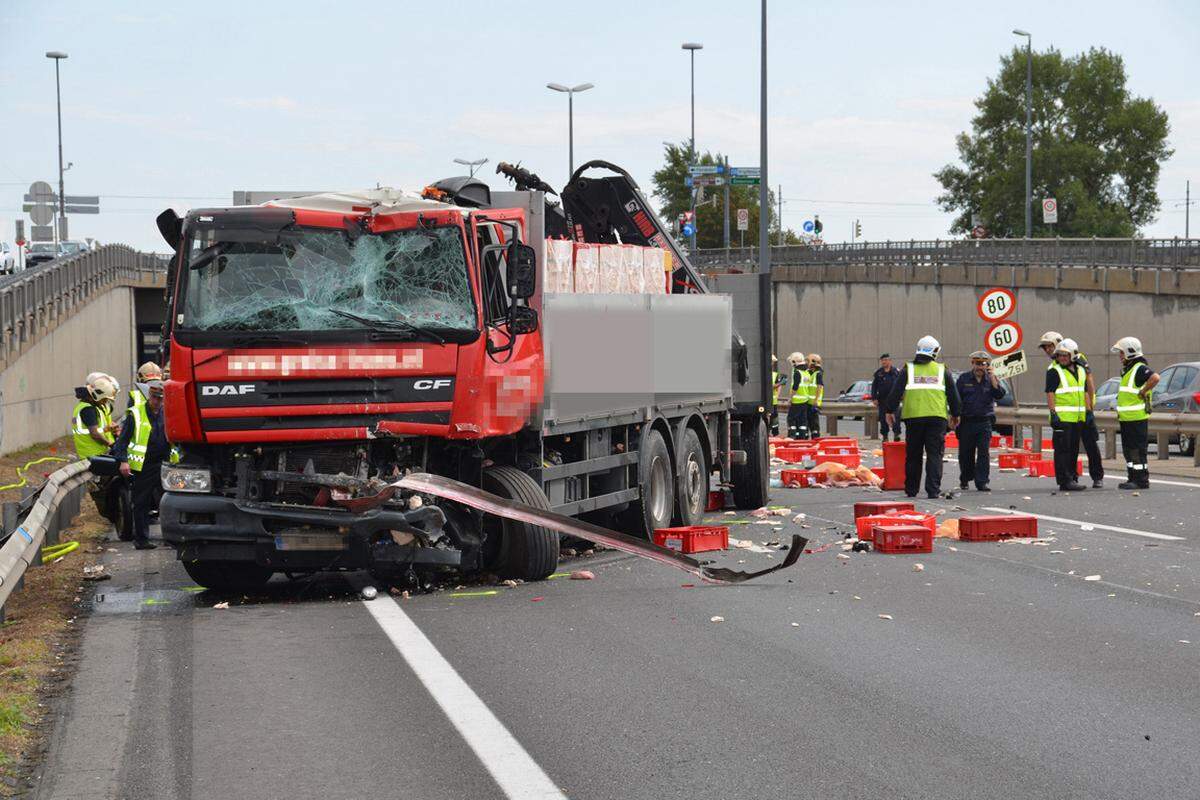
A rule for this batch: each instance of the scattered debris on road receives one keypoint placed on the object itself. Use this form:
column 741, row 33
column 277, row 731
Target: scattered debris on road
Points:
column 369, row 593
column 582, row 575
column 885, row 616
column 716, row 619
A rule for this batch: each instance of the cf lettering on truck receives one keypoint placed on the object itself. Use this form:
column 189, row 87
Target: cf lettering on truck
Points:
column 560, row 354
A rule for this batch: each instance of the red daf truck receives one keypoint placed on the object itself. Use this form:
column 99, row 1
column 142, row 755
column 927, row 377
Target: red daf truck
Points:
column 322, row 347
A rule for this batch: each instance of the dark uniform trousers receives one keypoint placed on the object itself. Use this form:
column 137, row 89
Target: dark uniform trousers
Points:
column 1090, row 437
column 926, row 437
column 1135, row 440
column 1066, row 452
column 798, row 421
column 974, row 450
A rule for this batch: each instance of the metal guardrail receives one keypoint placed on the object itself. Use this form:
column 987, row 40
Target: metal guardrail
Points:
column 34, row 300
column 45, row 513
column 1148, row 253
column 1162, row 426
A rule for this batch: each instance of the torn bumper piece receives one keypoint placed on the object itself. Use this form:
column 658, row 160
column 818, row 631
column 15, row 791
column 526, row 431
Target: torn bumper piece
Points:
column 449, row 489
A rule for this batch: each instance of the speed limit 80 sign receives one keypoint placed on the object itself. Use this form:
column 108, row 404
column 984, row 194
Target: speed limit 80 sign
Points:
column 1003, row 338
column 996, row 304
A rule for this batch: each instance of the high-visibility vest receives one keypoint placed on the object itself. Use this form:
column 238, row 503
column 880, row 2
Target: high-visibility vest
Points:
column 140, row 440
column 802, row 395
column 774, row 388
column 85, row 445
column 1131, row 407
column 925, row 392
column 816, row 391
column 1069, row 397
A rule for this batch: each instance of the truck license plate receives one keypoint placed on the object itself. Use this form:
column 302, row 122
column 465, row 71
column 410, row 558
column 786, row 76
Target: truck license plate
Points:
column 310, row 541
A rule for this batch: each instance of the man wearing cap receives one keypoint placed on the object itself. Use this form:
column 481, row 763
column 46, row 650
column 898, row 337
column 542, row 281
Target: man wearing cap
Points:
column 978, row 390
column 141, row 448
column 881, row 386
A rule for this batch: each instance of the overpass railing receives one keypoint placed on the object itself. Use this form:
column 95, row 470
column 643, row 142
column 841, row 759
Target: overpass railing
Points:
column 33, row 301
column 1134, row 253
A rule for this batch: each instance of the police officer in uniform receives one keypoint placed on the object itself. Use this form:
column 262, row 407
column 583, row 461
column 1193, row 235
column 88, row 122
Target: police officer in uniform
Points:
column 816, row 394
column 978, row 389
column 881, row 386
column 798, row 410
column 929, row 399
column 141, row 448
column 1066, row 396
column 1133, row 410
column 1090, row 435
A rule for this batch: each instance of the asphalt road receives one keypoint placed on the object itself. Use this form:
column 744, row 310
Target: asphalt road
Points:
column 1002, row 673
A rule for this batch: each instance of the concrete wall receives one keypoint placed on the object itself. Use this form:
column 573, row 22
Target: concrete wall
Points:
column 850, row 324
column 37, row 391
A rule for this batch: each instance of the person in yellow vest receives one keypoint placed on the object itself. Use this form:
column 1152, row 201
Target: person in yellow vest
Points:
column 816, row 394
column 798, row 410
column 929, row 399
column 141, row 449
column 146, row 372
column 777, row 383
column 91, row 420
column 1133, row 410
column 1067, row 399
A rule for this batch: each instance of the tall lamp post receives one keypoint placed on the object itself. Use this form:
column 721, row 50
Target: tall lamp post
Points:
column 60, row 229
column 692, row 47
column 570, row 92
column 1028, row 130
column 471, row 165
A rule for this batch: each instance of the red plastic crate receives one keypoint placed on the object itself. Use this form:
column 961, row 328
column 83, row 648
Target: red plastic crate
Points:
column 866, row 524
column 716, row 500
column 693, row 538
column 951, row 440
column 836, row 449
column 879, row 471
column 850, row 460
column 1027, row 444
column 793, row 455
column 877, row 507
column 1014, row 460
column 824, row 441
column 903, row 539
column 893, row 464
column 802, row 478
column 993, row 527
column 1044, row 468
column 1001, row 441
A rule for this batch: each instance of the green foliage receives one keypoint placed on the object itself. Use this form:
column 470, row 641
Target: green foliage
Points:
column 676, row 197
column 1096, row 149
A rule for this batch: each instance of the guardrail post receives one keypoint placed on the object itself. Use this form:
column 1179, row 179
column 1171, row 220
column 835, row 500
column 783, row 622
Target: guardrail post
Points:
column 871, row 420
column 1110, row 442
column 1164, row 447
column 1036, row 433
column 831, row 425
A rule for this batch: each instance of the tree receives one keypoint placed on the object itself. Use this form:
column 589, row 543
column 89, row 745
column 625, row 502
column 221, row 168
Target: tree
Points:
column 671, row 188
column 1096, row 149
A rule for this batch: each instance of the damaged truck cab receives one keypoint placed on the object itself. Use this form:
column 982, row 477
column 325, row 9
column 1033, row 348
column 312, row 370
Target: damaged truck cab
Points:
column 322, row 348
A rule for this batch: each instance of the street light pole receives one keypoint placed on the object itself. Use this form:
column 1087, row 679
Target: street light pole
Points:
column 692, row 47
column 764, row 233
column 1028, row 130
column 58, row 56
column 570, row 92
column 472, row 165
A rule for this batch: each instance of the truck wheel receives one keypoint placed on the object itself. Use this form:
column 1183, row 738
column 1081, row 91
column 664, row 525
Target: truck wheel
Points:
column 517, row 549
column 228, row 577
column 1187, row 444
column 123, row 507
column 751, row 481
column 691, row 480
column 655, row 503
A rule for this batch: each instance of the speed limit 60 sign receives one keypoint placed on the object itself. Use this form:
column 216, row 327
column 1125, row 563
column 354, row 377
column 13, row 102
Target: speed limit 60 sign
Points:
column 1003, row 338
column 996, row 304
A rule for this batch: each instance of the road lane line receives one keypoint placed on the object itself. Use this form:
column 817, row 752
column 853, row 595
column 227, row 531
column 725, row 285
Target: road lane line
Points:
column 517, row 774
column 1098, row 526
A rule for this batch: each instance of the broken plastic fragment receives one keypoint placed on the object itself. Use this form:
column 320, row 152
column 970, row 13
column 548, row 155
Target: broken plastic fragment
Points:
column 1092, row 578
column 716, row 619
column 918, row 567
column 583, row 575
column 885, row 616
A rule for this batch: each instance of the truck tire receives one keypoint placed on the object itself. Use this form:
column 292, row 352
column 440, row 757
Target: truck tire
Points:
column 691, row 480
column 751, row 481
column 526, row 552
column 228, row 577
column 655, row 503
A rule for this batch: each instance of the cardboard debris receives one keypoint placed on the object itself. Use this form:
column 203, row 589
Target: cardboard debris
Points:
column 948, row 529
column 583, row 575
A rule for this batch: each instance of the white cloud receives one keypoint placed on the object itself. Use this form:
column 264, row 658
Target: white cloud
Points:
column 277, row 103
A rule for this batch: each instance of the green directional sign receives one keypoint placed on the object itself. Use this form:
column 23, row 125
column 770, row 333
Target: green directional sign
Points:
column 744, row 180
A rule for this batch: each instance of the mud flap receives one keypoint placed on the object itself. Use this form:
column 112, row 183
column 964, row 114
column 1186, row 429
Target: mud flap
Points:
column 485, row 501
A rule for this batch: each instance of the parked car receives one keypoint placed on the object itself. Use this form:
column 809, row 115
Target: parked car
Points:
column 1178, row 392
column 857, row 392
column 40, row 253
column 1106, row 395
column 8, row 259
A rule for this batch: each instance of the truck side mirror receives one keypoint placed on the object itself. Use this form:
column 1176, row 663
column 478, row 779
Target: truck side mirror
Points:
column 522, row 271
column 522, row 319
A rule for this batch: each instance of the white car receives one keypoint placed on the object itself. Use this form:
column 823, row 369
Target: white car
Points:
column 8, row 259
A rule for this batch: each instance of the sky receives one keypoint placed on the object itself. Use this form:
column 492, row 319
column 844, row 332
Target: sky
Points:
column 174, row 104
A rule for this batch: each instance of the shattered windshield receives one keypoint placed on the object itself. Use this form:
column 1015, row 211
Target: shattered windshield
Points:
column 302, row 281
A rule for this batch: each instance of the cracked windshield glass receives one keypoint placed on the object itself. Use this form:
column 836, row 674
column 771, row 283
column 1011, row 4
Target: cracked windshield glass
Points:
column 302, row 282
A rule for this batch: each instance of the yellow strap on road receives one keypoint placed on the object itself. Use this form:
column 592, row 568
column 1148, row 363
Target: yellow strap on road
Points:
column 54, row 552
column 21, row 471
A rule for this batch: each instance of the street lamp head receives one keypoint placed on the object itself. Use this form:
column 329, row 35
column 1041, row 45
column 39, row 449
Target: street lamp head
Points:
column 476, row 163
column 692, row 46
column 1020, row 32
column 583, row 87
column 56, row 54
column 558, row 87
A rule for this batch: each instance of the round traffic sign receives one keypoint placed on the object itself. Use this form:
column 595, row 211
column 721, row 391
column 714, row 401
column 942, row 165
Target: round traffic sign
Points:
column 41, row 192
column 1003, row 338
column 808, row 226
column 1049, row 205
column 996, row 304
column 41, row 214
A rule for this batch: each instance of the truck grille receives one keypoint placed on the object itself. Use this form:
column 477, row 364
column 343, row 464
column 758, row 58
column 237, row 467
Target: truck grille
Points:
column 270, row 423
column 419, row 389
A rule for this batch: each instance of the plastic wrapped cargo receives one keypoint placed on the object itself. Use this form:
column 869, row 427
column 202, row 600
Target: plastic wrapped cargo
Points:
column 587, row 268
column 612, row 270
column 652, row 270
column 631, row 262
column 560, row 266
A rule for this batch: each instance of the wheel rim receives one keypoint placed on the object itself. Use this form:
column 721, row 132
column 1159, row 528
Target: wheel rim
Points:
column 1185, row 442
column 659, row 481
column 693, row 482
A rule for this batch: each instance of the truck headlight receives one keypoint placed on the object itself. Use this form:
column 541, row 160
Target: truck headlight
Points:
column 186, row 479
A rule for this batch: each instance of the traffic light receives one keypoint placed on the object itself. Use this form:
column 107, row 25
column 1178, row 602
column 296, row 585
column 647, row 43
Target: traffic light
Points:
column 817, row 226
column 857, row 229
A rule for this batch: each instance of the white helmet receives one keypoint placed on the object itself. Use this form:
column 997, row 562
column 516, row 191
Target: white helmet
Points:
column 814, row 360
column 1128, row 346
column 1051, row 338
column 102, row 389
column 796, row 358
column 1067, row 346
column 149, row 371
column 928, row 346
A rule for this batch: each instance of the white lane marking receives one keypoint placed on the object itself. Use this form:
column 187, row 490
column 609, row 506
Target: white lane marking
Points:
column 1175, row 483
column 518, row 775
column 1148, row 534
